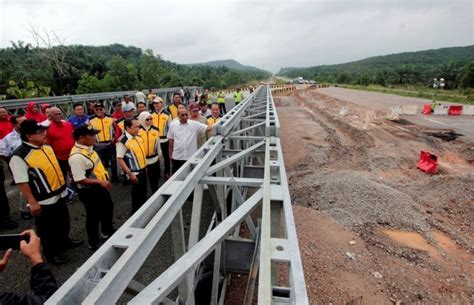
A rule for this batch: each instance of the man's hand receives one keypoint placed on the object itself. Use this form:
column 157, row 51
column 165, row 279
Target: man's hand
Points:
column 35, row 209
column 133, row 178
column 105, row 184
column 4, row 260
column 32, row 249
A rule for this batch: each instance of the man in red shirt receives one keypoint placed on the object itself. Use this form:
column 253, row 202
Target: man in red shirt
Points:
column 60, row 138
column 5, row 126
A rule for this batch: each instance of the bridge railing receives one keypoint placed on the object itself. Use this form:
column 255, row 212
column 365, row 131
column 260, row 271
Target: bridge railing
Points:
column 65, row 102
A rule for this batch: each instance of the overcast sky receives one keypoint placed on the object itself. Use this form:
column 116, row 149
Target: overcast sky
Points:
column 266, row 34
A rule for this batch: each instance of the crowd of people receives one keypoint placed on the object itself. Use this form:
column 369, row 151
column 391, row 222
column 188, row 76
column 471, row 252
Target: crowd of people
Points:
column 51, row 158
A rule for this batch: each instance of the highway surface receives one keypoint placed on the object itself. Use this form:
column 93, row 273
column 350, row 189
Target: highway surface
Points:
column 383, row 102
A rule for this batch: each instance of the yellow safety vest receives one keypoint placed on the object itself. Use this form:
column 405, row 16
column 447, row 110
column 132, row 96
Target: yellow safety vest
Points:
column 135, row 156
column 221, row 98
column 173, row 110
column 151, row 138
column 211, row 121
column 97, row 171
column 121, row 124
column 238, row 96
column 160, row 121
column 46, row 179
column 106, row 127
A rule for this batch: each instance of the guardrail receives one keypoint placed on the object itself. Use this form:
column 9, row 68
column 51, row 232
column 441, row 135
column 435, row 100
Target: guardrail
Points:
column 243, row 166
column 65, row 102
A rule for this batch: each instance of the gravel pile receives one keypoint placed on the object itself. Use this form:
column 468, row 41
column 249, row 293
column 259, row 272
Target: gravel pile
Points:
column 440, row 190
column 356, row 201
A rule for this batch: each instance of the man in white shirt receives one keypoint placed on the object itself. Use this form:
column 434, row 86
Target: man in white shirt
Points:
column 182, row 136
column 47, row 111
column 140, row 97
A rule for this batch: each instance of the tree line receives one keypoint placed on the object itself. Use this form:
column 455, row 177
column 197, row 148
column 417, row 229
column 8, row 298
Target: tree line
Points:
column 27, row 71
column 455, row 65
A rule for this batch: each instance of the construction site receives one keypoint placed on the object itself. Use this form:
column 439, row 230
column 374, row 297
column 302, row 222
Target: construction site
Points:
column 315, row 195
column 372, row 227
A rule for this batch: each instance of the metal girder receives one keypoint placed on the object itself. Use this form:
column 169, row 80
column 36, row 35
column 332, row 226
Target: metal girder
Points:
column 241, row 177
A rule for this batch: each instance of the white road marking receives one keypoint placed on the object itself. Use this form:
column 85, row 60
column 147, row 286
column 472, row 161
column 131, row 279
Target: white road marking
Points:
column 434, row 121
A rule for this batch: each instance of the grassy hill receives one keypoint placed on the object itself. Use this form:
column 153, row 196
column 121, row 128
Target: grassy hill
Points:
column 403, row 68
column 228, row 63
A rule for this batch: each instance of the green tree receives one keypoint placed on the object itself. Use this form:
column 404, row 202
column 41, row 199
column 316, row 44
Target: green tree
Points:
column 466, row 76
column 90, row 84
column 120, row 75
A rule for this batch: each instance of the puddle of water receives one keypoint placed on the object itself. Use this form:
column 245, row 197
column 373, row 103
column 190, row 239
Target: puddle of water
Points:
column 450, row 247
column 412, row 240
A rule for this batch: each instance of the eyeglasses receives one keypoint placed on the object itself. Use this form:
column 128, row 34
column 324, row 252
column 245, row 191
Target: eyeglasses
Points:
column 149, row 119
column 183, row 115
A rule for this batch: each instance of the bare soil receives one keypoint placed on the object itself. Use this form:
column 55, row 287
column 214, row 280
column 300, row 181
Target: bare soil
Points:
column 372, row 228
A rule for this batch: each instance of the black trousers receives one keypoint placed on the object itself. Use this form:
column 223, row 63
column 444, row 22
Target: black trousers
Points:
column 64, row 165
column 166, row 158
column 53, row 227
column 222, row 108
column 177, row 164
column 139, row 191
column 108, row 156
column 4, row 205
column 99, row 210
column 153, row 173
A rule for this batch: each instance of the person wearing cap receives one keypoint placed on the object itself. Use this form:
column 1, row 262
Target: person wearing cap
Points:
column 92, row 180
column 161, row 120
column 37, row 174
column 182, row 137
column 129, row 111
column 151, row 135
column 194, row 115
column 173, row 108
column 60, row 138
column 132, row 159
column 105, row 138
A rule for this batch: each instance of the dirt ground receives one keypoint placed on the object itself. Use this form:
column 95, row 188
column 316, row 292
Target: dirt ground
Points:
column 373, row 229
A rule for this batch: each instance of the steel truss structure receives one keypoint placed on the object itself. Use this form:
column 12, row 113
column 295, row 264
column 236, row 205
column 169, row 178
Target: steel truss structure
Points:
column 65, row 102
column 243, row 167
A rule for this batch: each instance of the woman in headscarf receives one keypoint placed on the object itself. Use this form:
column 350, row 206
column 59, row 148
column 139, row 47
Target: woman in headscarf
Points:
column 151, row 137
column 33, row 112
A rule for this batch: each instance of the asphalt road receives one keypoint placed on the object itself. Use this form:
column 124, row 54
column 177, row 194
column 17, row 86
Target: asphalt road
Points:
column 383, row 102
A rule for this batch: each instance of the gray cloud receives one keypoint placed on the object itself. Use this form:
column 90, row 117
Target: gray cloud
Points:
column 267, row 34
